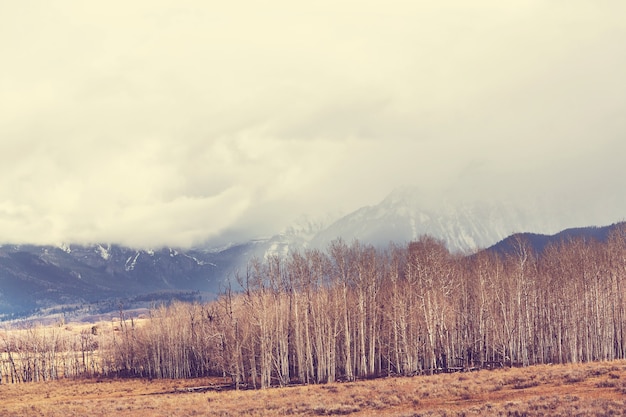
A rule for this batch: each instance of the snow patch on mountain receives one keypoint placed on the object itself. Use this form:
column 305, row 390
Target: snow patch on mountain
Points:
column 104, row 253
column 65, row 247
column 130, row 265
column 198, row 261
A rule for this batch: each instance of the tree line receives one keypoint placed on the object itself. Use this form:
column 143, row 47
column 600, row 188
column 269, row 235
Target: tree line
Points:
column 355, row 311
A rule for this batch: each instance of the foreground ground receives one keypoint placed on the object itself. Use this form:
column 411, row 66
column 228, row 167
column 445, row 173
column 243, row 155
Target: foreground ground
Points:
column 597, row 389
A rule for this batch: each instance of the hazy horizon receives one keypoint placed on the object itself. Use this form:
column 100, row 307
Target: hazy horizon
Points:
column 165, row 123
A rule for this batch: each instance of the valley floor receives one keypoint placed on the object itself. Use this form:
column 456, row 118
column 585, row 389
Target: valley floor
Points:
column 597, row 389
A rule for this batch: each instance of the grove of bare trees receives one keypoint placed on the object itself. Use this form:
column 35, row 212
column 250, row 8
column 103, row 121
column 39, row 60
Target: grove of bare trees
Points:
column 355, row 312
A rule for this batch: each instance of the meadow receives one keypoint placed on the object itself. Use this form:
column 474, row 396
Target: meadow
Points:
column 597, row 389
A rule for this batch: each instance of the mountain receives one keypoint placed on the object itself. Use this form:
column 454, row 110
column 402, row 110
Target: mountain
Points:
column 41, row 279
column 538, row 242
column 407, row 213
column 38, row 277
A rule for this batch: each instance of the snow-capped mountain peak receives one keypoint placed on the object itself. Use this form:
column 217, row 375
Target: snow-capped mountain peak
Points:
column 408, row 213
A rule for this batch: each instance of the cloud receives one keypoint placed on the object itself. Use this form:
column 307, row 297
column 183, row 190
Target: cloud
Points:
column 160, row 123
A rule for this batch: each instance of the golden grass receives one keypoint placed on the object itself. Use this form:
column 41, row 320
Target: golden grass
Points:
column 572, row 390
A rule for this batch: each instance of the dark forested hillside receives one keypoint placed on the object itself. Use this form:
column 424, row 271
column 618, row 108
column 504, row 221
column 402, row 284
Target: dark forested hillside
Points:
column 538, row 242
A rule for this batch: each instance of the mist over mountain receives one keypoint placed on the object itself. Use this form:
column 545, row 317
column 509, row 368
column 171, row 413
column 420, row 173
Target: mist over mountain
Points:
column 38, row 279
column 44, row 279
column 464, row 225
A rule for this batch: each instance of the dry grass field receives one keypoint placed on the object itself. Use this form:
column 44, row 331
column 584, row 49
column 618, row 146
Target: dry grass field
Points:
column 594, row 389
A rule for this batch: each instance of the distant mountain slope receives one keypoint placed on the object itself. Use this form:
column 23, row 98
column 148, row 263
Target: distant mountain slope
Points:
column 34, row 277
column 538, row 242
column 406, row 214
column 38, row 277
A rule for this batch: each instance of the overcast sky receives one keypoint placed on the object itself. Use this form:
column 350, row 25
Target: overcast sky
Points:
column 167, row 122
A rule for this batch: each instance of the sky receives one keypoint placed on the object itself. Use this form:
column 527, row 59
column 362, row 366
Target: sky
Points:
column 167, row 122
